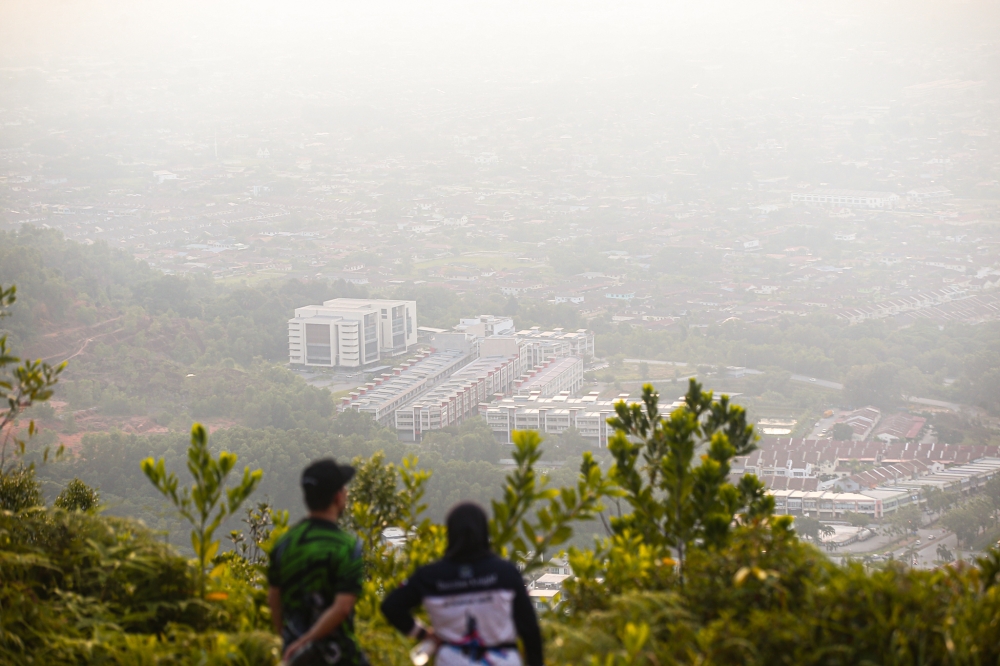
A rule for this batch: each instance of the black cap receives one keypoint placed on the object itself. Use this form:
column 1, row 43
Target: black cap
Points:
column 326, row 474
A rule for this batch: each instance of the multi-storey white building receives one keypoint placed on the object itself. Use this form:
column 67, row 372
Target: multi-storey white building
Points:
column 545, row 345
column 853, row 198
column 924, row 194
column 485, row 326
column 385, row 394
column 459, row 397
column 553, row 377
column 557, row 414
column 351, row 332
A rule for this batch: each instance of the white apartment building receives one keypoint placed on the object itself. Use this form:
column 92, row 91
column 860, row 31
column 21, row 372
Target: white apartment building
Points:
column 351, row 332
column 382, row 396
column 485, row 326
column 553, row 377
column 924, row 194
column 545, row 345
column 589, row 415
column 459, row 397
column 853, row 198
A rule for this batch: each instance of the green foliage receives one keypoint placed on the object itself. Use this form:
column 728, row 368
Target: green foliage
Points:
column 78, row 496
column 811, row 528
column 881, row 355
column 675, row 503
column 768, row 598
column 531, row 519
column 81, row 588
column 207, row 502
column 857, row 519
column 695, row 570
column 382, row 498
column 470, row 441
column 22, row 384
column 108, row 461
column 971, row 518
column 376, row 501
column 264, row 525
column 842, row 432
column 567, row 445
column 19, row 489
column 907, row 519
column 876, row 384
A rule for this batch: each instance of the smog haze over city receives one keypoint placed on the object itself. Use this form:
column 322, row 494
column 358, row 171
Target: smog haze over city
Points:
column 532, row 209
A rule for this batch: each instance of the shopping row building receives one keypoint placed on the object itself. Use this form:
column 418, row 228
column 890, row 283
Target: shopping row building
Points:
column 889, row 498
column 588, row 415
column 479, row 362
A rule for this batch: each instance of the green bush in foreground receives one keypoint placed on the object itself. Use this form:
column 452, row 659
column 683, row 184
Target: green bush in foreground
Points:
column 695, row 570
column 77, row 496
column 84, row 588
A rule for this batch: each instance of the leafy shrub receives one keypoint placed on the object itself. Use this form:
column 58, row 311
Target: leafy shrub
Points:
column 19, row 489
column 78, row 496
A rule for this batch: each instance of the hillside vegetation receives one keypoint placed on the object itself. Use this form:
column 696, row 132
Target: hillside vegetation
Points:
column 694, row 570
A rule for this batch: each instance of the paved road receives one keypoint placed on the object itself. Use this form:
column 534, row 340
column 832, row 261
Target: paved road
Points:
column 936, row 403
column 651, row 362
column 818, row 382
column 930, row 539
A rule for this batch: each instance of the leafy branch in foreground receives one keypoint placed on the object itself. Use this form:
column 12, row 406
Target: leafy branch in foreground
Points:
column 525, row 538
column 207, row 502
column 674, row 502
column 27, row 383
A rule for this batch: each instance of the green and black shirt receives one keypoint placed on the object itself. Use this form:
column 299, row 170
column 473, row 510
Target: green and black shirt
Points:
column 311, row 564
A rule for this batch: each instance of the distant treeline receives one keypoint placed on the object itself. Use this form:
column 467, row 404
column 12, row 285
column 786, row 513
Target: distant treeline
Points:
column 167, row 327
column 463, row 461
column 878, row 361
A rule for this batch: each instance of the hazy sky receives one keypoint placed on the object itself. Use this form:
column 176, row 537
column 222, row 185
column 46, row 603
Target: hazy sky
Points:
column 459, row 47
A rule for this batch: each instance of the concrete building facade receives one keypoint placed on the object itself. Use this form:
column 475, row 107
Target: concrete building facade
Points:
column 553, row 377
column 545, row 345
column 849, row 198
column 555, row 415
column 351, row 332
column 384, row 395
column 459, row 397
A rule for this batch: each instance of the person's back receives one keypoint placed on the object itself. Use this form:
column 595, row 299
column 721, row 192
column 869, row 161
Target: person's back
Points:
column 315, row 576
column 476, row 601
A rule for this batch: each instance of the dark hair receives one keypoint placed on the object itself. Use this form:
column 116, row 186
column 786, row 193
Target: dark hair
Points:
column 322, row 480
column 468, row 533
column 319, row 499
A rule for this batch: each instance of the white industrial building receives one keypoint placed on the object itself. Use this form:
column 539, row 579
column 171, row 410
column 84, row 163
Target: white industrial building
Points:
column 459, row 397
column 482, row 359
column 485, row 326
column 553, row 377
column 925, row 194
column 557, row 342
column 351, row 332
column 555, row 415
column 851, row 198
column 385, row 394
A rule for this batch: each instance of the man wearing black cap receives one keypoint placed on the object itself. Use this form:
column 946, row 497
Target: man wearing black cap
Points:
column 315, row 575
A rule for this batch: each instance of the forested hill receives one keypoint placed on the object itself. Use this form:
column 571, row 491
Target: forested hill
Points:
column 878, row 361
column 173, row 349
